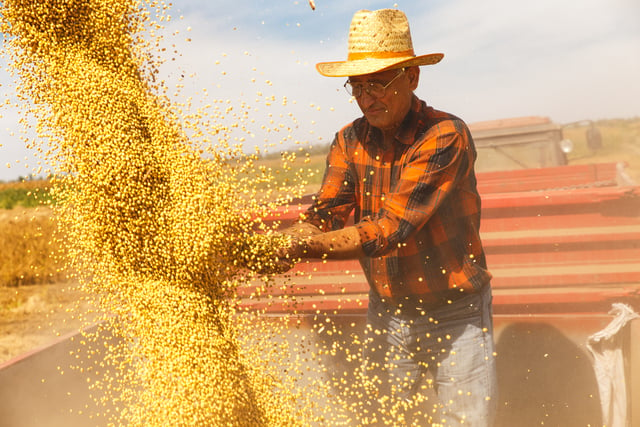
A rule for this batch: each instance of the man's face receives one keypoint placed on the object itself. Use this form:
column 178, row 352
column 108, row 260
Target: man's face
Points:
column 388, row 111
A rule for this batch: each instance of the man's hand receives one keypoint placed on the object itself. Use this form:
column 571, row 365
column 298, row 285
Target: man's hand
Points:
column 307, row 241
column 302, row 230
column 338, row 244
column 287, row 257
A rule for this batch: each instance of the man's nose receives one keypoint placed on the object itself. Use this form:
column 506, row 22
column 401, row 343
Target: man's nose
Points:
column 365, row 100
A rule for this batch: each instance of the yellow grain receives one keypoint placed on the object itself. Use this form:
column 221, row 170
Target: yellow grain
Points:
column 160, row 209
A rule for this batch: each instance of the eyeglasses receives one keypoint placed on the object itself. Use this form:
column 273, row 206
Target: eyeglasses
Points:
column 377, row 90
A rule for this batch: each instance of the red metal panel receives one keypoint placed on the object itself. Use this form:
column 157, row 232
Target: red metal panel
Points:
column 533, row 276
column 543, row 221
column 561, row 255
column 601, row 236
column 580, row 196
column 602, row 174
column 543, row 209
column 563, row 301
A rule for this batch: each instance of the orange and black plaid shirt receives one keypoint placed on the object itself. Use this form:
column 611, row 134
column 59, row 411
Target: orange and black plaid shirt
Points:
column 415, row 206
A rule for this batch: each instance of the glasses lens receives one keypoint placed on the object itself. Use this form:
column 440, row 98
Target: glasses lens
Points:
column 352, row 90
column 356, row 89
column 376, row 90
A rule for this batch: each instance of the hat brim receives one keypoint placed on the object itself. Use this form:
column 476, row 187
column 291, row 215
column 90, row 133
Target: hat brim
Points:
column 373, row 65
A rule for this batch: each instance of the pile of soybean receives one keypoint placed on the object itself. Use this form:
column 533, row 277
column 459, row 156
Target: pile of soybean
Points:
column 161, row 228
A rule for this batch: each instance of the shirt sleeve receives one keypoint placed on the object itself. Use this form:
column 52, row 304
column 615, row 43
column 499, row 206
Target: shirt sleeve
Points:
column 336, row 198
column 433, row 173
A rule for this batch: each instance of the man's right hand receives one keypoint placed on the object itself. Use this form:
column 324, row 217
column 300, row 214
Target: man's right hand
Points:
column 287, row 257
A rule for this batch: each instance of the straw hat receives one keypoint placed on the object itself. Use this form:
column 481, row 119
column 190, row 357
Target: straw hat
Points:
column 378, row 40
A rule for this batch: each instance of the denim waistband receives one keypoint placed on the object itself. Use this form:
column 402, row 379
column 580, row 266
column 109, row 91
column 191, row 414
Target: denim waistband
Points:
column 415, row 306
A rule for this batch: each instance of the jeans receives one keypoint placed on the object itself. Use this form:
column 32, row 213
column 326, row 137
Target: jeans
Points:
column 447, row 351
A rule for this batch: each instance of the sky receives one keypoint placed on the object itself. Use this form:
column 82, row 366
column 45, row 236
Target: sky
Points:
column 569, row 60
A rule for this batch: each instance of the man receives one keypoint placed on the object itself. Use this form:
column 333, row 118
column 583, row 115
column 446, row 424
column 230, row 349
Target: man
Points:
column 407, row 172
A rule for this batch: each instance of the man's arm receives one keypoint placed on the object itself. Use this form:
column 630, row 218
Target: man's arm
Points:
column 339, row 244
column 310, row 242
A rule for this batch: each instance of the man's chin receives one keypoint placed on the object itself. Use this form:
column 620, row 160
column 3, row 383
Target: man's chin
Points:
column 378, row 121
column 383, row 125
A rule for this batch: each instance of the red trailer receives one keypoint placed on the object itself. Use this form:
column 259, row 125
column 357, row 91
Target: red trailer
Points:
column 563, row 245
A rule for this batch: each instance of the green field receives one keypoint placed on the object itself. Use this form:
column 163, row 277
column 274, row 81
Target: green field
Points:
column 620, row 143
column 24, row 193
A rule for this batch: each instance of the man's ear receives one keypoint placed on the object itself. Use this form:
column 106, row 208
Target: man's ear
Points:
column 414, row 77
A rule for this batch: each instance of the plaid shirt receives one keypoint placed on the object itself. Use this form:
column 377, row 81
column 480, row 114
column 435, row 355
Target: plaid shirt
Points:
column 416, row 206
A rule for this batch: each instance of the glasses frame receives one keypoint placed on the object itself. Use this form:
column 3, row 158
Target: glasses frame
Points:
column 370, row 87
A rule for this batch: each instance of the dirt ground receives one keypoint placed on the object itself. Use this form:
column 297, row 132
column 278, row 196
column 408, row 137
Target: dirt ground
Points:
column 35, row 316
